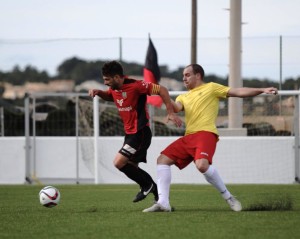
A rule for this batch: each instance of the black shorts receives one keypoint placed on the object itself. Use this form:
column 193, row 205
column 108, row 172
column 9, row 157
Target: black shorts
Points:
column 135, row 145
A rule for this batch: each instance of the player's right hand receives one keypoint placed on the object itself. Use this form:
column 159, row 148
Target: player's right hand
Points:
column 92, row 93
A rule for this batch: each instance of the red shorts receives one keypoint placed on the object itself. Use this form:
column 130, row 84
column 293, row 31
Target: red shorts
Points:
column 192, row 147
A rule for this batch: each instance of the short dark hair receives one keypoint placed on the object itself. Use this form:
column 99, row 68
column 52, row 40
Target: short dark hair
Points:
column 112, row 68
column 197, row 69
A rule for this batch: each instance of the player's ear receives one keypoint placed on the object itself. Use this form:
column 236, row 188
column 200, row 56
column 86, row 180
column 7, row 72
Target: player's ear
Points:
column 117, row 77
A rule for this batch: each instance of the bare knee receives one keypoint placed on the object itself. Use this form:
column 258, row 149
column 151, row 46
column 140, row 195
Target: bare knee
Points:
column 163, row 159
column 202, row 165
column 120, row 161
column 118, row 164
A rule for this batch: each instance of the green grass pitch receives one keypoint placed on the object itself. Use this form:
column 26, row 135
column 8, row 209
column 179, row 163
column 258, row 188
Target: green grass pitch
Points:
column 107, row 211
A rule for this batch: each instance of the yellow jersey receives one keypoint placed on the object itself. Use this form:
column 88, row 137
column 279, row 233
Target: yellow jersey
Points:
column 201, row 106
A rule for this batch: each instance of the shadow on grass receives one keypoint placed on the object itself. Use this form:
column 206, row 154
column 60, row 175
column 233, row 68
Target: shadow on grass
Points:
column 281, row 203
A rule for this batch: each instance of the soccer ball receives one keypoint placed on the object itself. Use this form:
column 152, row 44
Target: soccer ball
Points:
column 49, row 196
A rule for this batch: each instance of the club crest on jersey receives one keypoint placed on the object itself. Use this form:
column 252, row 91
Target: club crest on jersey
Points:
column 120, row 102
column 146, row 84
column 124, row 95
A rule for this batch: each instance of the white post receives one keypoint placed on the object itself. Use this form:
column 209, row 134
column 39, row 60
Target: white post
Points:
column 77, row 139
column 96, row 135
column 296, row 132
column 27, row 139
column 235, row 111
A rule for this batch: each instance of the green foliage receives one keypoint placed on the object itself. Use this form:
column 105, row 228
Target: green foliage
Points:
column 81, row 70
column 19, row 77
column 292, row 84
column 131, row 68
column 106, row 211
column 216, row 79
column 259, row 82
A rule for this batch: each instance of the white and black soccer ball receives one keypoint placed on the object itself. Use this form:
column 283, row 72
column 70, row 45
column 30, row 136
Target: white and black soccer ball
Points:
column 49, row 196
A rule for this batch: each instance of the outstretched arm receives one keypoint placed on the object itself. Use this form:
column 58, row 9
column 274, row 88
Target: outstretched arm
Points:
column 176, row 106
column 102, row 94
column 249, row 92
column 164, row 94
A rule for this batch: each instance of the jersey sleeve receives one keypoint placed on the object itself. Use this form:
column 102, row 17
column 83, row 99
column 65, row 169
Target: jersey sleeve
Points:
column 180, row 100
column 148, row 88
column 220, row 91
column 109, row 92
column 155, row 89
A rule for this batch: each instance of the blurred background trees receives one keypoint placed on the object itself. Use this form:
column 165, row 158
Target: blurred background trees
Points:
column 80, row 70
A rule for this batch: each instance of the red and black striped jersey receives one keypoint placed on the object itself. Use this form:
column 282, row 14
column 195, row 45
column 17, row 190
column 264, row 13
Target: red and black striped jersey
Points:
column 131, row 101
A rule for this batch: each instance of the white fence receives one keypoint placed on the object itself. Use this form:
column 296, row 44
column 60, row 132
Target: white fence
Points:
column 239, row 160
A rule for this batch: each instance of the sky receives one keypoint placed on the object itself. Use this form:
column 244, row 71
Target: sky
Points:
column 45, row 33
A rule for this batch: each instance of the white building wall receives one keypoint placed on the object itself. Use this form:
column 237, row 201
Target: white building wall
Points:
column 12, row 160
column 254, row 160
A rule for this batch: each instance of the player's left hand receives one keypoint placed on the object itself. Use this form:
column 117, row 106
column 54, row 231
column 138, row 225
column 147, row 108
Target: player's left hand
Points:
column 175, row 119
column 271, row 90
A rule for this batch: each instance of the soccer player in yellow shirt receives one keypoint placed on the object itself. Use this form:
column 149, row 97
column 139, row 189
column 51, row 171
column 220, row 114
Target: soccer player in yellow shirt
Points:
column 201, row 105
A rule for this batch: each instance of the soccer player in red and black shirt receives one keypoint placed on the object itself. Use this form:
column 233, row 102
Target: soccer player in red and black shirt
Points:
column 130, row 97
